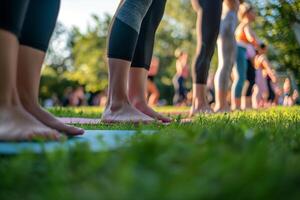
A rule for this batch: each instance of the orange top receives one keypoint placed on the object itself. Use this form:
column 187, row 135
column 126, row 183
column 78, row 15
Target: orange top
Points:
column 243, row 36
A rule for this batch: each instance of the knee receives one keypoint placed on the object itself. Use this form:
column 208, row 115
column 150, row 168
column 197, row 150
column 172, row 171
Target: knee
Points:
column 132, row 12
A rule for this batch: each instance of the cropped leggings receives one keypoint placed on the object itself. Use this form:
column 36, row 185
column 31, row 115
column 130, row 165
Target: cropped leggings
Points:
column 212, row 10
column 240, row 72
column 31, row 21
column 133, row 31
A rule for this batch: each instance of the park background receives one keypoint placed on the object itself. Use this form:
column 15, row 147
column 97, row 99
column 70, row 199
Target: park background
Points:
column 77, row 56
column 241, row 155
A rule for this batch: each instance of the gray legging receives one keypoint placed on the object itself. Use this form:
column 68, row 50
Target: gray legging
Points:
column 132, row 34
column 226, row 50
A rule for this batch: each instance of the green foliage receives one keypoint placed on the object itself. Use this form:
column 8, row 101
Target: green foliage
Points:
column 243, row 155
column 276, row 28
column 89, row 56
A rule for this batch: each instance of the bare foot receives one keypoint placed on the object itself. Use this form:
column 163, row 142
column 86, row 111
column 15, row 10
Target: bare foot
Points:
column 200, row 110
column 50, row 121
column 16, row 125
column 144, row 108
column 222, row 109
column 125, row 113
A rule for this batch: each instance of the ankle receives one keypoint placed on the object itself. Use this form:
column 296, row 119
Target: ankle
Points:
column 201, row 103
column 9, row 102
column 29, row 103
column 138, row 102
column 115, row 106
column 5, row 103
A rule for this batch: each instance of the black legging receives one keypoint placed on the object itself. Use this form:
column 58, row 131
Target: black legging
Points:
column 250, row 77
column 212, row 10
column 32, row 21
column 272, row 94
column 132, row 35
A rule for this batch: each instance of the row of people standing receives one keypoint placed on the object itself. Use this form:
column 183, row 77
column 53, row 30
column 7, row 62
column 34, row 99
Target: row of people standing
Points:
column 25, row 30
column 242, row 54
column 133, row 28
column 242, row 61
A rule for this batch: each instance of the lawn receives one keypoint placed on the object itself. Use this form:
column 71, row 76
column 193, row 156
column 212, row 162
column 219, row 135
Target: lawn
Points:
column 243, row 155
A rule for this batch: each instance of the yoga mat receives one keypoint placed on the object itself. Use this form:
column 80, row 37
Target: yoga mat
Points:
column 98, row 140
column 70, row 120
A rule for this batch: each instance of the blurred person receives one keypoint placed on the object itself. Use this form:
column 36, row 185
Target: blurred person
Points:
column 244, row 36
column 246, row 101
column 77, row 97
column 290, row 95
column 133, row 28
column 208, row 25
column 66, row 96
column 25, row 30
column 263, row 70
column 153, row 92
column 51, row 102
column 226, row 54
column 179, row 80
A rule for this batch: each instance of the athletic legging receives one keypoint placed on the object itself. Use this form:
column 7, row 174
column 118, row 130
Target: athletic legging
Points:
column 226, row 50
column 32, row 21
column 180, row 89
column 133, row 31
column 240, row 71
column 250, row 77
column 212, row 10
column 272, row 94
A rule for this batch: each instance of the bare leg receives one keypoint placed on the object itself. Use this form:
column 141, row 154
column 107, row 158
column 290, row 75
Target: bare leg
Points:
column 221, row 102
column 118, row 108
column 15, row 122
column 200, row 102
column 154, row 94
column 246, row 103
column 236, row 104
column 137, row 90
column 29, row 73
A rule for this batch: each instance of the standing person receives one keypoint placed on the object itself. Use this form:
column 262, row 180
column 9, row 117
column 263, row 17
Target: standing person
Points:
column 244, row 36
column 153, row 92
column 226, row 53
column 251, row 76
column 182, row 73
column 130, row 49
column 208, row 25
column 25, row 30
column 290, row 95
column 264, row 70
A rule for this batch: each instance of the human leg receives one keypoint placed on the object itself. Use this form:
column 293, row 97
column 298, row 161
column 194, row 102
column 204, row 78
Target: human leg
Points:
column 122, row 42
column 240, row 72
column 227, row 57
column 208, row 24
column 15, row 122
column 36, row 32
column 142, row 59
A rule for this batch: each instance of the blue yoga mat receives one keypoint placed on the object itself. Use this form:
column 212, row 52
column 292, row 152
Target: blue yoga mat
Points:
column 98, row 140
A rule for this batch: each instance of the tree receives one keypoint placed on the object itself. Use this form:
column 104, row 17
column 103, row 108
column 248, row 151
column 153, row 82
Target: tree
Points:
column 277, row 19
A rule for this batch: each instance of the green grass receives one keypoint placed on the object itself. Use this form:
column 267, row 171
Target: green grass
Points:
column 251, row 155
column 95, row 112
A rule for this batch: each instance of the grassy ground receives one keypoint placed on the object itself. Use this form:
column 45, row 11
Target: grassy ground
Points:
column 95, row 112
column 251, row 155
